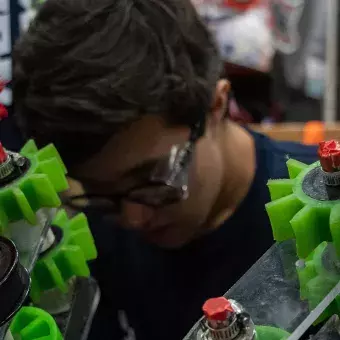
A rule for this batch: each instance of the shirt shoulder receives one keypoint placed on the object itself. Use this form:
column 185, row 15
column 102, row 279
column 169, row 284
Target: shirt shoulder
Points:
column 275, row 154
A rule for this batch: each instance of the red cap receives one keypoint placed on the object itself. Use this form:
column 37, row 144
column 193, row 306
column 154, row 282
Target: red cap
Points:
column 217, row 309
column 3, row 154
column 329, row 155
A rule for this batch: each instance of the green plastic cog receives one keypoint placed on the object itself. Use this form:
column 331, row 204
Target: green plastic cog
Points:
column 32, row 323
column 295, row 215
column 318, row 277
column 67, row 259
column 270, row 333
column 38, row 188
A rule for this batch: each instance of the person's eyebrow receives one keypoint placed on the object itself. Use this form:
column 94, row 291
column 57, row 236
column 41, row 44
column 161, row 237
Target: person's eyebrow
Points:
column 138, row 170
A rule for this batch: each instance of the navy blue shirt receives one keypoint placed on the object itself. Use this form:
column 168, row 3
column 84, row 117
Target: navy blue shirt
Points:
column 161, row 291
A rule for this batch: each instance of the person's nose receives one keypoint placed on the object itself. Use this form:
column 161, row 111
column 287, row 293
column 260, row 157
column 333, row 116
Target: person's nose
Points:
column 136, row 216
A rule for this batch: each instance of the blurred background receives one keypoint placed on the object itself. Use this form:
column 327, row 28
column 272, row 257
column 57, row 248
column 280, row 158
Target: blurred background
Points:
column 281, row 57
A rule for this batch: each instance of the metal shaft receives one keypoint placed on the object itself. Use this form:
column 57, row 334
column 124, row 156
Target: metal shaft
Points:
column 331, row 62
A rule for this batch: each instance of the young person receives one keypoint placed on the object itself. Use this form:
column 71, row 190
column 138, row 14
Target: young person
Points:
column 130, row 93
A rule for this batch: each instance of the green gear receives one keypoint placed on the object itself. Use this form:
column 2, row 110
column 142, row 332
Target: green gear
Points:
column 316, row 280
column 270, row 333
column 67, row 259
column 295, row 215
column 32, row 323
column 37, row 188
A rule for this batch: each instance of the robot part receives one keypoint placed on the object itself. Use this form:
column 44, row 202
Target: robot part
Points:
column 34, row 323
column 29, row 192
column 226, row 320
column 9, row 163
column 6, row 166
column 54, row 273
column 305, row 207
column 53, row 249
column 318, row 274
column 329, row 154
column 14, row 281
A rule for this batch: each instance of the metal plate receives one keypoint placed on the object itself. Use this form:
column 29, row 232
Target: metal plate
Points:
column 270, row 293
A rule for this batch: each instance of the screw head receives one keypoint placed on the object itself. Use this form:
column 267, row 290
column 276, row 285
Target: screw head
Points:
column 217, row 309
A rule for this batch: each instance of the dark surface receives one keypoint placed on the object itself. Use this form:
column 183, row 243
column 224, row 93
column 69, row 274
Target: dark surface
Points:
column 268, row 95
column 296, row 106
column 10, row 136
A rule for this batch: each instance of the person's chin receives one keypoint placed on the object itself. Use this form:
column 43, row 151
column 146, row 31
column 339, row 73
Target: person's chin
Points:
column 168, row 237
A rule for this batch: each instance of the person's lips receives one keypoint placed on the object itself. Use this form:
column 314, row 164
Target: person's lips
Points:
column 157, row 231
column 169, row 236
column 158, row 228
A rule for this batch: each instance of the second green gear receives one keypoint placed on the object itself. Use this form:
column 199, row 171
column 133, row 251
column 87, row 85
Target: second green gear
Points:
column 67, row 259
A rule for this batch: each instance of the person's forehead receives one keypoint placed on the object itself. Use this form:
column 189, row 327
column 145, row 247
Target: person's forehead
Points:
column 141, row 144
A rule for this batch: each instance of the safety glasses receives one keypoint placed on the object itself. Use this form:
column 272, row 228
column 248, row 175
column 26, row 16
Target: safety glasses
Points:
column 167, row 183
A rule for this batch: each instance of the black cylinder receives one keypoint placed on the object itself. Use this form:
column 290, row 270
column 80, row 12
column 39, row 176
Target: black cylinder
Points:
column 14, row 281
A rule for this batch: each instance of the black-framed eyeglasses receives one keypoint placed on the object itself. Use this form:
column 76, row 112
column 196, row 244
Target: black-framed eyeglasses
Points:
column 167, row 183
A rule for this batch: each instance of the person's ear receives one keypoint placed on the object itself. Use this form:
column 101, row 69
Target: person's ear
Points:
column 220, row 101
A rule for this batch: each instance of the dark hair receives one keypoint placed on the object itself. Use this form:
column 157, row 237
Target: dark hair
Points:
column 85, row 68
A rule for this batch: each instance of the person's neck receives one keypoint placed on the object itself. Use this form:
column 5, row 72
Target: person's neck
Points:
column 239, row 159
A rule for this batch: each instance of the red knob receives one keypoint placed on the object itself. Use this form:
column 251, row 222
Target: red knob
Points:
column 329, row 155
column 217, row 309
column 3, row 154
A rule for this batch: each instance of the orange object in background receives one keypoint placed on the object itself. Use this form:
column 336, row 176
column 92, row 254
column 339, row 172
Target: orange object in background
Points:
column 313, row 133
